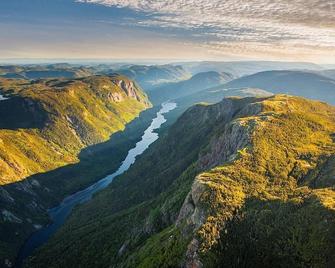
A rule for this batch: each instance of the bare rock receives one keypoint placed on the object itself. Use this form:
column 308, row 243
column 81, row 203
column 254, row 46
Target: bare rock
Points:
column 4, row 195
column 10, row 217
column 192, row 257
column 25, row 186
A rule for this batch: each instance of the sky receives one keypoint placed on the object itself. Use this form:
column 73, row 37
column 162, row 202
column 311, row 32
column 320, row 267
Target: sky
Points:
column 293, row 30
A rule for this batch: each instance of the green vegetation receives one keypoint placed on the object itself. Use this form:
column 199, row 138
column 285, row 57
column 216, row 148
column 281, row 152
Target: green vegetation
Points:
column 53, row 147
column 61, row 70
column 60, row 118
column 245, row 182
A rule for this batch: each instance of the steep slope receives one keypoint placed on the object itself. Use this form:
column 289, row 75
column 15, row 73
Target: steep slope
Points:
column 299, row 83
column 150, row 77
column 44, row 124
column 211, row 96
column 228, row 180
column 196, row 83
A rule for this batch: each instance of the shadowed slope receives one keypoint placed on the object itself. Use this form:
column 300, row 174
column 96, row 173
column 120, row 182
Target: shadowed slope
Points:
column 46, row 123
column 220, row 168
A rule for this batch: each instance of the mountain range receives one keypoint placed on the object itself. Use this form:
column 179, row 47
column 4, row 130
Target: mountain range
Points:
column 245, row 182
column 196, row 83
column 300, row 83
column 44, row 71
column 242, row 68
column 241, row 174
column 149, row 77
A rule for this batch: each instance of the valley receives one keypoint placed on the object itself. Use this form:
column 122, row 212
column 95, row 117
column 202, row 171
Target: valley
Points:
column 87, row 186
column 59, row 214
column 167, row 134
column 191, row 196
column 48, row 132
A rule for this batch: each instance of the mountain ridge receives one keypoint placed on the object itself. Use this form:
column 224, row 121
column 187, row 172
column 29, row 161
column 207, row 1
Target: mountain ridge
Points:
column 300, row 83
column 193, row 85
column 58, row 114
column 150, row 77
column 45, row 126
column 234, row 161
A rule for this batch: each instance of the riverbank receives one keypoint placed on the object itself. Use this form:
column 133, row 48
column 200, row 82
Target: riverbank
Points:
column 45, row 190
column 60, row 213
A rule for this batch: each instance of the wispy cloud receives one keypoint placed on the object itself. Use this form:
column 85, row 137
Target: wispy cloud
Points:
column 282, row 27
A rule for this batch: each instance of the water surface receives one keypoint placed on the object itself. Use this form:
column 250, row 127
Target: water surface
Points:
column 59, row 214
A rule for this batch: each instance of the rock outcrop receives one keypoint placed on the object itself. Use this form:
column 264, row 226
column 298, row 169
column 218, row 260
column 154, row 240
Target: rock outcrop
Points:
column 44, row 126
column 245, row 182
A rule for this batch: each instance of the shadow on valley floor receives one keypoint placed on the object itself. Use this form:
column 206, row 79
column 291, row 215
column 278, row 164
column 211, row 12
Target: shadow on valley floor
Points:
column 25, row 203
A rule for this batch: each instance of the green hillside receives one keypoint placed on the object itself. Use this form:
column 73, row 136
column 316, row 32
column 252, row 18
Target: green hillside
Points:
column 245, row 182
column 44, row 124
column 53, row 137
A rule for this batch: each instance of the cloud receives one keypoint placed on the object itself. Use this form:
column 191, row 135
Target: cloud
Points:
column 246, row 25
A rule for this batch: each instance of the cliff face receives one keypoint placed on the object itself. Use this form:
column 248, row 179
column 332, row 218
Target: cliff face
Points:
column 47, row 122
column 266, row 155
column 44, row 127
column 230, row 179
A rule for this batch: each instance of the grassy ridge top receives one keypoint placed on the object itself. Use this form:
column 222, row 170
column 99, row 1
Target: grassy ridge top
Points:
column 240, row 183
column 45, row 123
column 279, row 171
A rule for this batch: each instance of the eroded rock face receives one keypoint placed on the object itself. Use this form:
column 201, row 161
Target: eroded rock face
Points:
column 192, row 257
column 9, row 216
column 25, row 186
column 234, row 130
column 191, row 217
column 4, row 195
column 191, row 211
column 115, row 96
column 127, row 86
column 225, row 147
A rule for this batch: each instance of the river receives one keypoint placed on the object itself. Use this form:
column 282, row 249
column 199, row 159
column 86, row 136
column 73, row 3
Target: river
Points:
column 60, row 213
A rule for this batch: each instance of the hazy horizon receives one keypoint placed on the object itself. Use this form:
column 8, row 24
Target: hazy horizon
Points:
column 89, row 61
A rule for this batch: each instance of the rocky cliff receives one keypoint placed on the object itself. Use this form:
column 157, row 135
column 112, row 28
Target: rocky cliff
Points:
column 44, row 126
column 245, row 182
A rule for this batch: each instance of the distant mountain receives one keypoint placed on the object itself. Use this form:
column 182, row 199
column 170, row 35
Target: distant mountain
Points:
column 196, row 83
column 328, row 66
column 247, row 182
column 328, row 73
column 299, row 83
column 211, row 96
column 149, row 77
column 44, row 71
column 242, row 68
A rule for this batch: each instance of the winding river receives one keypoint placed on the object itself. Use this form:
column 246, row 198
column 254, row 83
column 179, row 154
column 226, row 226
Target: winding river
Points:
column 59, row 214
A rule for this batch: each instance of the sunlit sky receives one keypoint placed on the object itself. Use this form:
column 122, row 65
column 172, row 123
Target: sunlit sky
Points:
column 296, row 30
